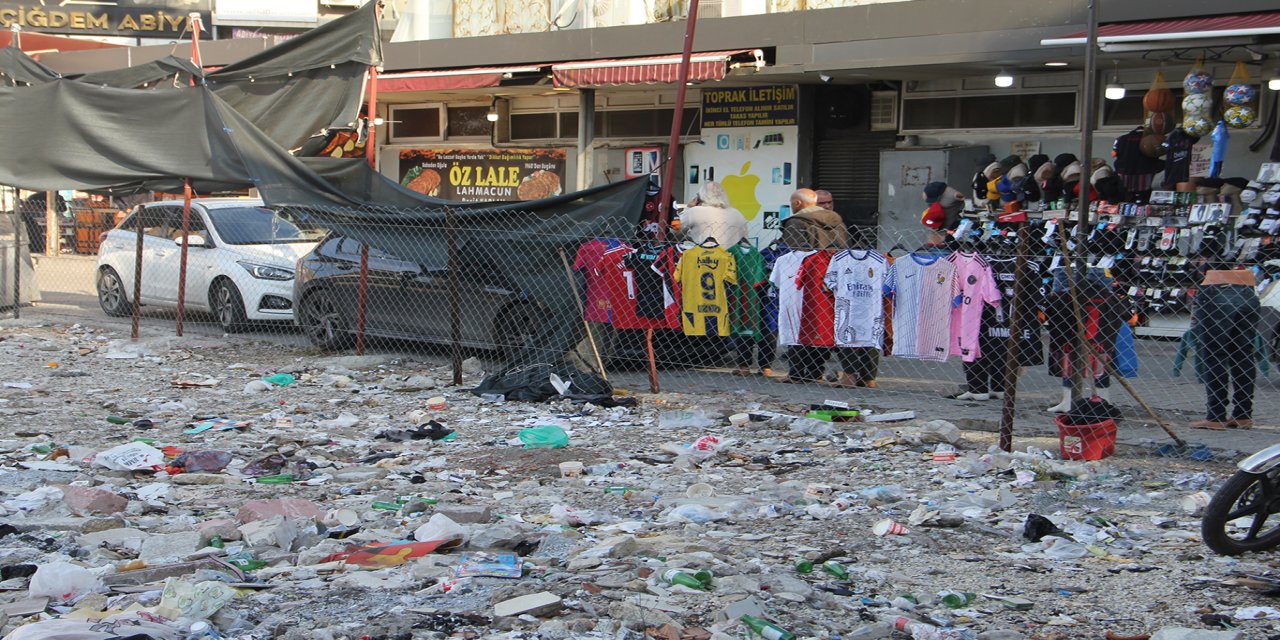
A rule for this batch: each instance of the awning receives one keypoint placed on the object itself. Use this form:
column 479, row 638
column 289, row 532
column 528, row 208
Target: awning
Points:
column 37, row 43
column 712, row 65
column 474, row 78
column 1223, row 26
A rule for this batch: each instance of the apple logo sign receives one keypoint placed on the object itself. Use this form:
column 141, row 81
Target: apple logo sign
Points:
column 741, row 190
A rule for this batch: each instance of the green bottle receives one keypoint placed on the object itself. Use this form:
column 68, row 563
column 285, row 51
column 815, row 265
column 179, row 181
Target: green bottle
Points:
column 282, row 478
column 957, row 600
column 835, row 569
column 216, row 542
column 676, row 576
column 117, row 420
column 704, row 578
column 766, row 629
column 804, row 565
column 386, row 506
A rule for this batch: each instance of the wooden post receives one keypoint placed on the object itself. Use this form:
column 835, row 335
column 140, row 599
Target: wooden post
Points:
column 1009, row 410
column 52, row 230
column 370, row 145
column 1089, row 116
column 362, row 297
column 18, row 224
column 182, row 262
column 137, row 276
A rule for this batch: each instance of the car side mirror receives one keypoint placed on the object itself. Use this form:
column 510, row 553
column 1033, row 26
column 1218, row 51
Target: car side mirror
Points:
column 192, row 241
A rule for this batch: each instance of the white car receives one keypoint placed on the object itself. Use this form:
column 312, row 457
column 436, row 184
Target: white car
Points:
column 240, row 259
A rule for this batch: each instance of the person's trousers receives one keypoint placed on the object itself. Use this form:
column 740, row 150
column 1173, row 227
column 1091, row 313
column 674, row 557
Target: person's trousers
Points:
column 861, row 363
column 1226, row 324
column 764, row 350
column 807, row 364
column 986, row 374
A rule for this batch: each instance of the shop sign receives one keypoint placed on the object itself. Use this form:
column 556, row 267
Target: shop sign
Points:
column 130, row 18
column 250, row 12
column 484, row 175
column 774, row 106
column 1201, row 159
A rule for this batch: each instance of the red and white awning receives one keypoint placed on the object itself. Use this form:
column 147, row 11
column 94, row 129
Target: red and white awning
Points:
column 712, row 65
column 450, row 79
column 1222, row 26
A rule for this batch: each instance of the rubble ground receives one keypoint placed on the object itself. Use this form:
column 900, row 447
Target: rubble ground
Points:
column 252, row 531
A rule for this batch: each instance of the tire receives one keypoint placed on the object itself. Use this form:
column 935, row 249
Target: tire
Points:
column 228, row 306
column 1242, row 495
column 321, row 320
column 514, row 330
column 111, row 294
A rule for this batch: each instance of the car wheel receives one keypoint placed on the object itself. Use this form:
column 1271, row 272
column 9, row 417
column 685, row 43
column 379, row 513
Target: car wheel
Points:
column 514, row 330
column 111, row 295
column 321, row 320
column 228, row 306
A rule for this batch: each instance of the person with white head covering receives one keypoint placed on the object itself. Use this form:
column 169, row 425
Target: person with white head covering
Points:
column 710, row 215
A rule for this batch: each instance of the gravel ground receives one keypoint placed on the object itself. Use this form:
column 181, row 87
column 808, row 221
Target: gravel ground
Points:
column 599, row 552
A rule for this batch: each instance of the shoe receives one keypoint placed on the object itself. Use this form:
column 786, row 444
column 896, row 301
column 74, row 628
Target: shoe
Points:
column 766, row 372
column 870, row 384
column 967, row 395
column 997, row 395
column 1240, row 423
column 1211, row 425
column 1065, row 405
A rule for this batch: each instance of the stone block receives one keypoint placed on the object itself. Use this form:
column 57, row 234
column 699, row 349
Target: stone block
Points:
column 93, row 501
column 287, row 507
column 532, row 604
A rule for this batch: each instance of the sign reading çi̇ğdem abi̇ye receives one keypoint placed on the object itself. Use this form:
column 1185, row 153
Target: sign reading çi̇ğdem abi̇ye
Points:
column 484, row 175
column 128, row 18
column 773, row 106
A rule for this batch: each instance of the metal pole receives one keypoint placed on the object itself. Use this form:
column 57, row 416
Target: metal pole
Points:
column 362, row 297
column 455, row 297
column 370, row 145
column 52, row 230
column 1089, row 113
column 586, row 133
column 1009, row 410
column 673, row 147
column 17, row 249
column 182, row 262
column 137, row 275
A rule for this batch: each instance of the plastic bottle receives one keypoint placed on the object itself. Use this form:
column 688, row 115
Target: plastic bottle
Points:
column 804, row 565
column 202, row 631
column 873, row 631
column 676, row 576
column 835, row 569
column 766, row 629
column 925, row 631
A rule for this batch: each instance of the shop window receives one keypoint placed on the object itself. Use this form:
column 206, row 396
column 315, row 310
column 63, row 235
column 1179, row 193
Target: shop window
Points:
column 469, row 122
column 621, row 123
column 533, row 126
column 416, row 122
column 1024, row 110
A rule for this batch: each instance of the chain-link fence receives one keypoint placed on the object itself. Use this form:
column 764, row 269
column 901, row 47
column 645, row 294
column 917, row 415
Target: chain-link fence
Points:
column 922, row 327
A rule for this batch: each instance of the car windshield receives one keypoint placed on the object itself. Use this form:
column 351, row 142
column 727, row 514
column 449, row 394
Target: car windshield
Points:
column 256, row 225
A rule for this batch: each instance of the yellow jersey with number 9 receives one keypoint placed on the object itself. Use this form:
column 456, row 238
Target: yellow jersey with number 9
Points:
column 704, row 274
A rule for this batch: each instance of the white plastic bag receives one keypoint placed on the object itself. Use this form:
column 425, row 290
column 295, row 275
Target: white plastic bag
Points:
column 440, row 527
column 63, row 581
column 197, row 601
column 34, row 499
column 130, row 457
column 695, row 513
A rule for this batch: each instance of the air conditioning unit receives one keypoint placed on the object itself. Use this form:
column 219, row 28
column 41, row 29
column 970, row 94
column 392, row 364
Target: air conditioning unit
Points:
column 884, row 110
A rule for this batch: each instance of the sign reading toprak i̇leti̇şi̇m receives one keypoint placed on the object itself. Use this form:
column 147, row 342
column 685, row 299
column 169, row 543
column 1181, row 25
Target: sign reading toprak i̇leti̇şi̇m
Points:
column 484, row 175
column 136, row 18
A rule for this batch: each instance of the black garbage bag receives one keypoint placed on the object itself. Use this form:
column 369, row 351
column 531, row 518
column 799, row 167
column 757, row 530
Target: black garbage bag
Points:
column 1093, row 410
column 1038, row 526
column 532, row 383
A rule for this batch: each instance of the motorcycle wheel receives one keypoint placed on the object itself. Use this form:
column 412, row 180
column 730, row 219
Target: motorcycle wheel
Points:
column 1236, row 520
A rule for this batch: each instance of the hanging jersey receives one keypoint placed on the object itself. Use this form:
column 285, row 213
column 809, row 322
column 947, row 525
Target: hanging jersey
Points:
column 623, row 270
column 924, row 291
column 597, row 298
column 653, row 267
column 769, row 299
column 818, row 315
column 786, row 270
column 744, row 317
column 996, row 322
column 976, row 289
column 705, row 274
column 856, row 278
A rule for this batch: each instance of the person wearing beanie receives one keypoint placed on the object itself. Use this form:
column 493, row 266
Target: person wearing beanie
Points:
column 1035, row 162
column 1052, row 185
column 945, row 205
column 1106, row 184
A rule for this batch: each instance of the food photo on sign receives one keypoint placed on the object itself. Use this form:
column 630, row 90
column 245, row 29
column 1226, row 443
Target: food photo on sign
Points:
column 484, row 175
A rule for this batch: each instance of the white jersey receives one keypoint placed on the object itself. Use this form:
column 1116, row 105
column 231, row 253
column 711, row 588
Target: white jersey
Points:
column 790, row 298
column 924, row 289
column 856, row 277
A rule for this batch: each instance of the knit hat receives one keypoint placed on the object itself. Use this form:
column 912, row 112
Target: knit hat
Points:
column 993, row 189
column 1045, row 172
column 933, row 217
column 1097, row 163
column 1071, row 173
column 1101, row 172
column 986, row 160
column 1010, row 162
column 1064, row 159
column 950, row 197
column 1035, row 162
column 993, row 171
column 933, row 191
column 1016, row 172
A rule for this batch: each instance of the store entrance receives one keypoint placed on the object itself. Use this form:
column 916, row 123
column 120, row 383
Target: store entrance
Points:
column 846, row 154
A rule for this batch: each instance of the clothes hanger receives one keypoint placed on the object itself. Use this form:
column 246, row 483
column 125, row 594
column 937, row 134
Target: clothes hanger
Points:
column 709, row 243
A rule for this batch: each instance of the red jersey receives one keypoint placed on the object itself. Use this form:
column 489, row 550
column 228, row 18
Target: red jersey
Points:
column 818, row 313
column 623, row 275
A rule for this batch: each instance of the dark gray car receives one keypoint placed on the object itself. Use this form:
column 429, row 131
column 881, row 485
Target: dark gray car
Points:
column 405, row 300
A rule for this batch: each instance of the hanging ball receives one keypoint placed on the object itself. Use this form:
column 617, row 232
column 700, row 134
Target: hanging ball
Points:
column 1152, row 145
column 1161, row 123
column 1196, row 105
column 1197, row 82
column 1197, row 126
column 1239, row 116
column 1240, row 94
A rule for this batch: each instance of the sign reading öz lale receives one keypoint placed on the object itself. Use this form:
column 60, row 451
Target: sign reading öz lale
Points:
column 484, row 175
column 130, row 18
column 773, row 106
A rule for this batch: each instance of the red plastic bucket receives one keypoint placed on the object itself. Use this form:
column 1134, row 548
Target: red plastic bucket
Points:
column 1086, row 441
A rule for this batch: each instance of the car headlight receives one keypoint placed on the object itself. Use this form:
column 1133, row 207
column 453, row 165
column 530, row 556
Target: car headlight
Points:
column 266, row 271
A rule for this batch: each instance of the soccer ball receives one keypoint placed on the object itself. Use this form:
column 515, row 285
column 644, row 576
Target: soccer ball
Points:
column 1196, row 105
column 1197, row 126
column 1239, row 116
column 1239, row 94
column 1197, row 82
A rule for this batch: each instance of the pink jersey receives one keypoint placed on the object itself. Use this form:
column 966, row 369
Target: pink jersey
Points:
column 975, row 287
